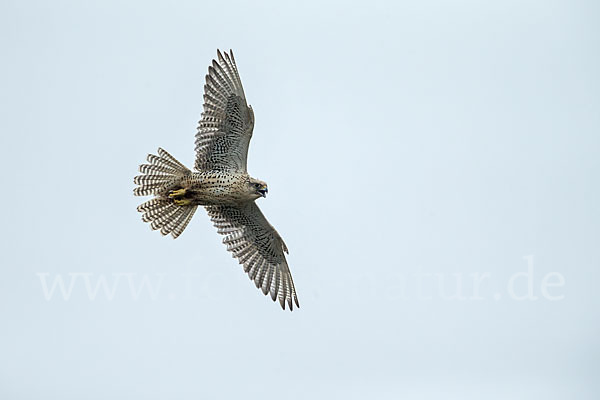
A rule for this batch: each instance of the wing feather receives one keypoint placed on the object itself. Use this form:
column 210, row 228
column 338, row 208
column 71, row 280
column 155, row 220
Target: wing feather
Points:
column 258, row 247
column 226, row 125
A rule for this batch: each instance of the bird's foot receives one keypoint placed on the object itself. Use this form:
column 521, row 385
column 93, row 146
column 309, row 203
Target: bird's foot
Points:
column 182, row 202
column 177, row 193
column 179, row 197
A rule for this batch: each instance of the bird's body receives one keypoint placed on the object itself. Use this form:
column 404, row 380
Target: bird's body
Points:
column 210, row 188
column 221, row 184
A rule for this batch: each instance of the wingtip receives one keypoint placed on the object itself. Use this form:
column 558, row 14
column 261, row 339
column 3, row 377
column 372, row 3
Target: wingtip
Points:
column 220, row 53
column 283, row 302
column 220, row 56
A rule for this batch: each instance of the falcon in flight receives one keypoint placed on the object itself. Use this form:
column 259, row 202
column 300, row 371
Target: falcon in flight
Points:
column 221, row 184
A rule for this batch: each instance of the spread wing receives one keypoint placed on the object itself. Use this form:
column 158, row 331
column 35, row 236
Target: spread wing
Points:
column 225, row 129
column 258, row 246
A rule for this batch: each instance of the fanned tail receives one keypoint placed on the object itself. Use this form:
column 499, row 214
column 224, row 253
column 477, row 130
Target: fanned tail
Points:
column 162, row 174
column 163, row 214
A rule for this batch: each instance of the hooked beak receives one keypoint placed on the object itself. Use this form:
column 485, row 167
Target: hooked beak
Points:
column 263, row 191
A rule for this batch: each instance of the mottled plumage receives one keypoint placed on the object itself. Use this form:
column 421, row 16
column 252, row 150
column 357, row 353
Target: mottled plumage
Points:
column 221, row 184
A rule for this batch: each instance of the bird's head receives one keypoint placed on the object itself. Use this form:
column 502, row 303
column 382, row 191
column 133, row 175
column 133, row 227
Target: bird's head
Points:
column 257, row 188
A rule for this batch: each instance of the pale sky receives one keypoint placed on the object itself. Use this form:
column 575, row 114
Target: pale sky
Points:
column 433, row 167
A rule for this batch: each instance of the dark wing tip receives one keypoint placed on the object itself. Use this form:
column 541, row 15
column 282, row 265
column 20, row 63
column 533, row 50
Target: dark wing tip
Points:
column 220, row 53
column 283, row 301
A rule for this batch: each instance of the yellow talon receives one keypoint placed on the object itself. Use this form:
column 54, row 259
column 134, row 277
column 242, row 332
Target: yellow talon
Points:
column 177, row 193
column 182, row 202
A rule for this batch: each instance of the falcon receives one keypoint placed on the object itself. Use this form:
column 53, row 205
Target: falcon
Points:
column 221, row 184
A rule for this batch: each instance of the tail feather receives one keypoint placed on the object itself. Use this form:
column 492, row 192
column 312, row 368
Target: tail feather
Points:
column 160, row 162
column 162, row 220
column 166, row 156
column 163, row 172
column 150, row 179
column 165, row 160
column 148, row 205
column 179, row 223
column 159, row 177
column 177, row 230
column 148, row 189
column 154, row 169
column 151, row 212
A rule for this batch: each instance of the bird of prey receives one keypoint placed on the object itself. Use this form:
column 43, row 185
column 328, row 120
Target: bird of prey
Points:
column 221, row 184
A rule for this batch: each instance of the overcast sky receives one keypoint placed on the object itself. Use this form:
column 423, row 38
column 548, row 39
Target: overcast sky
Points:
column 433, row 167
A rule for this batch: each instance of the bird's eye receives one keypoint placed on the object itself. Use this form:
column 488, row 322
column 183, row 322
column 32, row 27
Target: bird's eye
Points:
column 257, row 185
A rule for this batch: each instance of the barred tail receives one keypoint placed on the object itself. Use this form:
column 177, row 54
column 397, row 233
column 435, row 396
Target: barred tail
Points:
column 163, row 214
column 162, row 174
